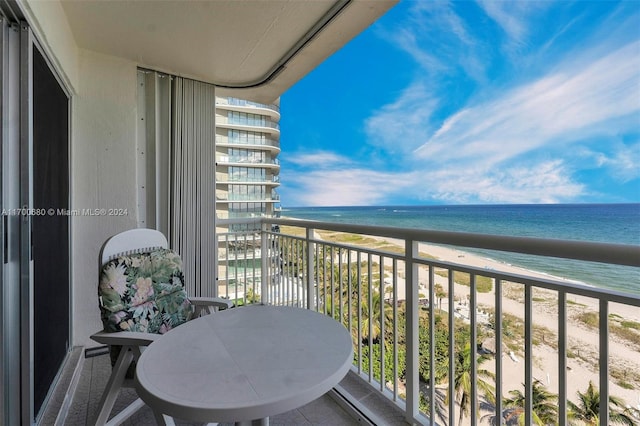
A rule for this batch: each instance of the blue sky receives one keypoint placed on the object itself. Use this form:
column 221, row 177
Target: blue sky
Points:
column 485, row 102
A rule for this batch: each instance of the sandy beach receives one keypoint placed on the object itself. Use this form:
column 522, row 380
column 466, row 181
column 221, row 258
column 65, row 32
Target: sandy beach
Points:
column 624, row 357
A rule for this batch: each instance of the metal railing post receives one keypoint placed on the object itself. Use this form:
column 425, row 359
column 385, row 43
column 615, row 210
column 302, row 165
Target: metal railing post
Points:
column 264, row 255
column 528, row 355
column 310, row 277
column 412, row 362
column 604, row 362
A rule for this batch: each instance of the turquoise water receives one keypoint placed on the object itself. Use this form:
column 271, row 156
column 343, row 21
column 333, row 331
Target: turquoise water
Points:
column 609, row 223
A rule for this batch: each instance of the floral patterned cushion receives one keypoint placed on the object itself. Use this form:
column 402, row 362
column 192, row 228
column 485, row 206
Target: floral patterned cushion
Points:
column 144, row 292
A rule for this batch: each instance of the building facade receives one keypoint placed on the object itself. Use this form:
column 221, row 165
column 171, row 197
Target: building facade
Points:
column 247, row 177
column 247, row 167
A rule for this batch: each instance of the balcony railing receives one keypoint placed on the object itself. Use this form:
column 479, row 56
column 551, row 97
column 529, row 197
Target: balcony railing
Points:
column 220, row 140
column 223, row 178
column 225, row 159
column 248, row 197
column 435, row 334
column 251, row 122
column 245, row 103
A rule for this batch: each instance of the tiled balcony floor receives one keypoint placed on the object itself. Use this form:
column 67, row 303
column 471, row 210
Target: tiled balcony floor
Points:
column 323, row 411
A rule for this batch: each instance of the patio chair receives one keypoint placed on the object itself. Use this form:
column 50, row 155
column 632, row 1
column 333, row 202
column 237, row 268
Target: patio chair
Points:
column 141, row 296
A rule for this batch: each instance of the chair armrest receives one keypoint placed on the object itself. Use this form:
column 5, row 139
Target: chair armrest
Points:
column 211, row 301
column 125, row 338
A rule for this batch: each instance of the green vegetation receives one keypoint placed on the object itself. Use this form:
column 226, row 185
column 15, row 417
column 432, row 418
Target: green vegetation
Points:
column 483, row 284
column 544, row 405
column 587, row 409
column 589, row 319
column 625, row 385
column 629, row 331
column 630, row 324
column 293, row 230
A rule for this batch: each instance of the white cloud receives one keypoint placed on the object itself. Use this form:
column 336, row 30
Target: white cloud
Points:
column 318, row 159
column 546, row 182
column 524, row 142
column 556, row 109
column 343, row 187
column 515, row 19
column 438, row 40
column 508, row 15
column 622, row 162
column 404, row 124
column 484, row 153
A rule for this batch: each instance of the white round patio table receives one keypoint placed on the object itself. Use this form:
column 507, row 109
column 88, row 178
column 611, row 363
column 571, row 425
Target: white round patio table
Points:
column 244, row 364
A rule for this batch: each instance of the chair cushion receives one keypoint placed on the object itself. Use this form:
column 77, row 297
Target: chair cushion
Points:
column 144, row 292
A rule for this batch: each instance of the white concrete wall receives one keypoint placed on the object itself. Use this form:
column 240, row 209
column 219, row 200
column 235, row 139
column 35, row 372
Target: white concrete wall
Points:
column 103, row 173
column 103, row 149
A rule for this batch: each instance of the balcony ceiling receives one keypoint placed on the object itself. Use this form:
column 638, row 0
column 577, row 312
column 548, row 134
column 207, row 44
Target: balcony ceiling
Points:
column 262, row 46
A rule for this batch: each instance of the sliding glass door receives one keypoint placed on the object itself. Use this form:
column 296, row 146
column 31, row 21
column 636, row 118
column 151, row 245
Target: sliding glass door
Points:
column 50, row 240
column 10, row 298
column 35, row 291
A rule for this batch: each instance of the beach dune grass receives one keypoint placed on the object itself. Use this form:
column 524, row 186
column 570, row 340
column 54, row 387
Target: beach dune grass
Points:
column 628, row 331
column 483, row 284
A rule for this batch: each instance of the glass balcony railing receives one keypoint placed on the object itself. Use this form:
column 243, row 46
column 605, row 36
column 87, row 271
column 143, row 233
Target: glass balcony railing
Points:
column 247, row 121
column 248, row 197
column 244, row 160
column 422, row 324
column 242, row 141
column 245, row 103
column 253, row 180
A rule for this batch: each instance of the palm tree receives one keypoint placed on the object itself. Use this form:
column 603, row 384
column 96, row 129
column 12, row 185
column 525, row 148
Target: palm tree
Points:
column 462, row 379
column 544, row 405
column 376, row 301
column 588, row 407
column 440, row 293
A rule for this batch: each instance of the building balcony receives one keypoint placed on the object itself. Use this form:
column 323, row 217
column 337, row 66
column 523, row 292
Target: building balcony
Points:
column 224, row 179
column 508, row 331
column 264, row 125
column 422, row 323
column 224, row 160
column 231, row 198
column 267, row 144
column 234, row 104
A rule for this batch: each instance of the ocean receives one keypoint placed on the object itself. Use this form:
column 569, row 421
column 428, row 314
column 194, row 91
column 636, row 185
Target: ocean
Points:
column 608, row 223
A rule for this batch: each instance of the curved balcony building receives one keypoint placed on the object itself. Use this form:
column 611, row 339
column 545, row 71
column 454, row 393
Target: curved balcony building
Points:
column 247, row 168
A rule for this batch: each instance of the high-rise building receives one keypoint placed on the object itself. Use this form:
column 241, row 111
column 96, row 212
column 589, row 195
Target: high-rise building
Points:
column 247, row 168
column 247, row 175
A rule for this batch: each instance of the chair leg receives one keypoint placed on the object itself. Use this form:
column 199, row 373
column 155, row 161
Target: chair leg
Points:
column 126, row 413
column 113, row 385
column 163, row 420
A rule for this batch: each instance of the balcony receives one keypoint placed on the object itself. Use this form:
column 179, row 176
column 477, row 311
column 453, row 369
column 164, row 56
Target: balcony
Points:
column 516, row 333
column 399, row 302
column 248, row 106
column 225, row 178
column 92, row 374
column 225, row 160
column 268, row 126
column 230, row 198
column 256, row 143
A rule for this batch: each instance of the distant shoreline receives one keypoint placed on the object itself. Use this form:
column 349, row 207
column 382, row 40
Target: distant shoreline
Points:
column 607, row 223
